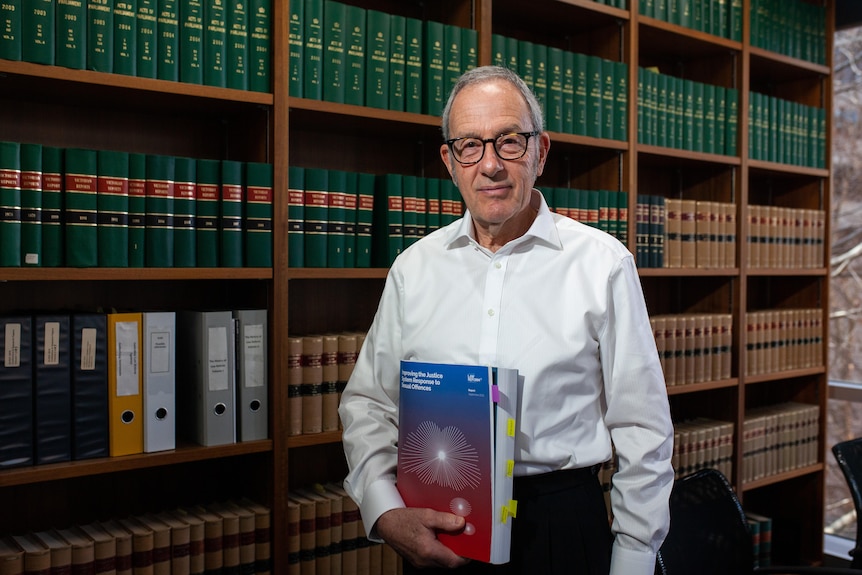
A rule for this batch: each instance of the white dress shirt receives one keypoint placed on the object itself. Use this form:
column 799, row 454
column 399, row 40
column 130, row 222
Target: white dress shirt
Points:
column 564, row 306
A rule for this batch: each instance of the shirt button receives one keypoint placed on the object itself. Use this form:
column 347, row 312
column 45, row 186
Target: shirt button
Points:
column 498, row 265
column 491, row 312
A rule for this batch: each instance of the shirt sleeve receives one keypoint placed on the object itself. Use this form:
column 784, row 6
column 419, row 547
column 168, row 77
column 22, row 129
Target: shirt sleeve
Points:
column 638, row 418
column 369, row 413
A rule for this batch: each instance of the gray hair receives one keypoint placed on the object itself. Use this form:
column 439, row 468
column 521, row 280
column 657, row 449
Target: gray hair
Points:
column 484, row 74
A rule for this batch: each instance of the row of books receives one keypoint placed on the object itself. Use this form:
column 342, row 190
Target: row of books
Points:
column 782, row 237
column 85, row 385
column 786, row 132
column 606, row 210
column 779, row 438
column 348, row 54
column 79, row 207
column 579, row 93
column 693, row 348
column 783, row 339
column 794, row 28
column 721, row 18
column 233, row 536
column 613, row 3
column 326, row 536
column 318, row 367
column 702, row 443
column 699, row 234
column 760, row 527
column 223, row 44
column 687, row 115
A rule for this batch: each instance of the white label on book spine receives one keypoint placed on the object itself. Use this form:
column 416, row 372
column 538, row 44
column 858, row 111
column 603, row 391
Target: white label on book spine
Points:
column 88, row 349
column 52, row 343
column 12, row 351
column 255, row 361
column 127, row 358
column 217, row 358
column 160, row 351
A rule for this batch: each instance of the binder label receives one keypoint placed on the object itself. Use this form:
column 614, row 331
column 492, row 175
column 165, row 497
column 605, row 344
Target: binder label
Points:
column 52, row 343
column 217, row 361
column 12, row 351
column 255, row 359
column 88, row 349
column 160, row 352
column 127, row 358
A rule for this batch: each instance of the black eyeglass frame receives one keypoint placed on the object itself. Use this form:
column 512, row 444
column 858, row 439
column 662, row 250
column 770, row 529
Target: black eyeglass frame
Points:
column 493, row 141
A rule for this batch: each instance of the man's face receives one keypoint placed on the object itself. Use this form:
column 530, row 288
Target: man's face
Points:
column 494, row 190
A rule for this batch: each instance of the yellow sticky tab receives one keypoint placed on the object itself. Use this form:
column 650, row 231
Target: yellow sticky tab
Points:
column 510, row 510
column 510, row 427
column 510, row 467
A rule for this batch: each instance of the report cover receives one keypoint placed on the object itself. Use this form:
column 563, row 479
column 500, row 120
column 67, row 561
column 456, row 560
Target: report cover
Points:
column 456, row 450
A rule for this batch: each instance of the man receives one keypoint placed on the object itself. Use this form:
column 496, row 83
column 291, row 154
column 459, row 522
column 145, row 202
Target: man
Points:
column 513, row 285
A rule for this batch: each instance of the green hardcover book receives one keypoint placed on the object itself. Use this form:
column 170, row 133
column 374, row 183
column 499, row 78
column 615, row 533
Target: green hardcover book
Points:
column 388, row 224
column 296, row 45
column 432, row 203
column 81, row 208
column 137, row 209
column 185, row 235
column 37, row 31
column 735, row 20
column 295, row 217
column 351, row 204
column 52, row 206
column 660, row 9
column 335, row 15
column 527, row 63
column 641, row 106
column 364, row 218
column 661, row 135
column 112, row 203
column 770, row 113
column 688, row 115
column 498, row 50
column 604, row 211
column 683, row 12
column 420, row 203
column 568, row 93
column 10, row 30
column 679, row 111
column 720, row 18
column 540, row 77
column 230, row 214
column 336, row 218
column 720, row 119
column 513, row 58
column 609, row 103
column 581, row 106
column 191, row 41
column 621, row 101
column 147, row 37
column 555, row 90
column 410, row 213
column 413, row 45
column 698, row 115
column 125, row 37
column 623, row 217
column 397, row 61
column 260, row 45
column 312, row 86
column 71, row 42
column 377, row 63
column 316, row 216
column 207, row 213
column 159, row 244
column 31, row 205
column 594, row 97
column 434, row 59
column 754, row 146
column 709, row 119
column 451, row 57
column 469, row 49
column 354, row 63
column 258, row 215
column 168, row 39
column 100, row 35
column 236, row 52
column 215, row 44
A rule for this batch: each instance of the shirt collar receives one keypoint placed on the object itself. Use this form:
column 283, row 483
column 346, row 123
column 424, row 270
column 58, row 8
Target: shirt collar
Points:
column 542, row 230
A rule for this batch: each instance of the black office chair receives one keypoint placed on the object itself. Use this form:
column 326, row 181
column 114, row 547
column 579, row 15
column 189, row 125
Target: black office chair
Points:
column 709, row 535
column 849, row 456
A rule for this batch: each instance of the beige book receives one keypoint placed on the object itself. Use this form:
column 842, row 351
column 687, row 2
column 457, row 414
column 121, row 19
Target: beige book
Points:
column 773, row 236
column 349, row 529
column 124, row 546
column 61, row 550
column 307, row 532
column 730, row 235
column 689, row 233
column 347, row 353
column 755, row 236
column 715, row 219
column 143, row 545
column 375, row 559
column 312, row 382
column 230, row 536
column 726, row 321
column 37, row 555
column 161, row 543
column 197, row 539
column 701, row 349
column 247, row 526
column 294, row 385
column 213, row 538
column 336, row 527
column 689, row 346
column 676, row 342
column 820, row 239
column 11, row 557
column 751, row 343
column 329, row 389
column 673, row 231
column 657, row 323
column 293, row 546
column 83, row 550
column 702, row 229
column 104, row 548
column 262, row 535
column 180, row 542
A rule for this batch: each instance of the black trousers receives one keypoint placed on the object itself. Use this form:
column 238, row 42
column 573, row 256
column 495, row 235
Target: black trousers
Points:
column 561, row 529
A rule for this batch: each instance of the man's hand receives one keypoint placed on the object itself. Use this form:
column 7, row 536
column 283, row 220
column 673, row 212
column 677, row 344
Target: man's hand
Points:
column 413, row 534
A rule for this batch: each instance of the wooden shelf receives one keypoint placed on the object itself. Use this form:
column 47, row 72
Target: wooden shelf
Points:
column 132, row 274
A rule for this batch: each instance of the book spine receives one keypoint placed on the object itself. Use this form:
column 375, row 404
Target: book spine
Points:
column 230, row 214
column 168, row 40
column 71, row 42
column 137, row 209
column 191, row 42
column 312, row 382
column 413, row 67
column 81, row 208
column 159, row 245
column 16, row 391
column 452, row 50
column 207, row 213
column 433, row 57
column 215, row 38
column 31, row 205
column 52, row 203
column 364, row 219
column 312, row 83
column 37, row 31
column 296, row 43
column 236, row 52
column 377, row 62
column 296, row 217
column 389, row 220
column 147, row 38
column 52, row 393
column 100, row 35
column 89, row 386
column 335, row 215
column 185, row 174
column 125, row 38
column 329, row 388
column 112, row 204
column 11, row 45
column 333, row 51
column 351, row 203
column 316, row 216
column 294, row 385
column 258, row 215
column 260, row 45
column 354, row 63
column 397, row 61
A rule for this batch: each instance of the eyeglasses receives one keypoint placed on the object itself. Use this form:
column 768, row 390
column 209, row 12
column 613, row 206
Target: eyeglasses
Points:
column 469, row 151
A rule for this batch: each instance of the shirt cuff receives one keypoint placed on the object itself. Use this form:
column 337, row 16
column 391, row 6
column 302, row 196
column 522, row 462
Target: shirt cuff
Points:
column 380, row 497
column 626, row 561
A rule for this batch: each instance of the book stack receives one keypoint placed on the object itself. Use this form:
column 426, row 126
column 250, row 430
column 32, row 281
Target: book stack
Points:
column 791, row 27
column 699, row 234
column 721, row 18
column 761, row 538
column 782, row 237
column 85, row 385
column 231, row 536
column 326, row 535
column 779, row 438
column 702, row 443
column 693, row 348
column 783, row 339
column 650, row 230
column 194, row 41
column 606, row 210
column 786, row 132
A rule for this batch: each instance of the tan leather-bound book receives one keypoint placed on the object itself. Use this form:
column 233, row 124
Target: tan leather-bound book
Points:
column 247, row 548
column 262, row 535
column 11, row 557
column 673, row 342
column 294, row 385
column 673, row 223
column 312, row 382
column 329, row 389
column 161, row 543
column 61, row 551
column 105, row 546
column 37, row 555
column 180, row 542
column 702, row 228
column 322, row 529
column 213, row 538
column 83, row 550
column 698, row 348
column 230, row 537
column 349, row 529
column 293, row 545
column 336, row 527
column 143, row 545
column 307, row 533
column 688, row 237
column 658, row 324
column 197, row 539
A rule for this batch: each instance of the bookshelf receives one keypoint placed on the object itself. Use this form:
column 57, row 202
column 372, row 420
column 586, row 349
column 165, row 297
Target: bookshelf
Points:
column 62, row 107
